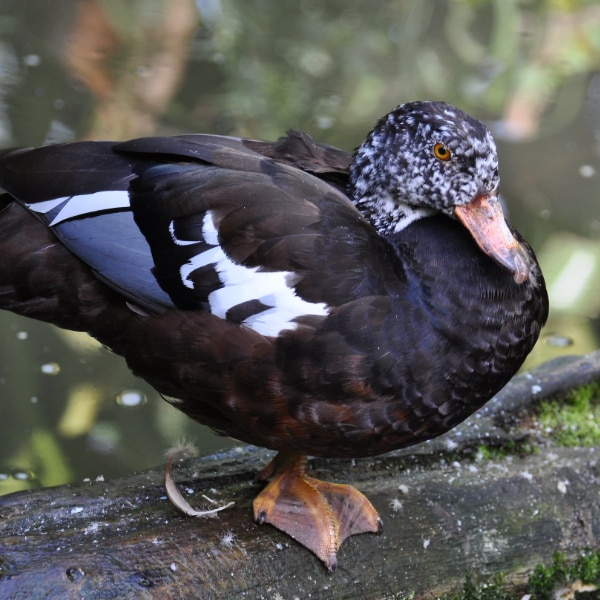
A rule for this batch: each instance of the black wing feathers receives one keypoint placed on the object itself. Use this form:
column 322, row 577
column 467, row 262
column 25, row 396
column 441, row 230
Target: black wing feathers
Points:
column 269, row 214
column 34, row 175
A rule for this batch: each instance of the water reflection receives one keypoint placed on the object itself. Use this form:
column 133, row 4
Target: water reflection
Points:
column 130, row 398
column 93, row 69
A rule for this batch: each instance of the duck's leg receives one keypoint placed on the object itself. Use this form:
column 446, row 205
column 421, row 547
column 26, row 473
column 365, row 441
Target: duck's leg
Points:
column 317, row 514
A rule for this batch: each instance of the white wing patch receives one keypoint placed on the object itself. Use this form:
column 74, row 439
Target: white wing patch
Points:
column 209, row 231
column 178, row 241
column 78, row 206
column 242, row 284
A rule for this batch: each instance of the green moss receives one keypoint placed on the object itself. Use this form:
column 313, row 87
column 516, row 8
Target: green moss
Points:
column 575, row 419
column 572, row 420
column 587, row 567
column 486, row 589
column 510, row 448
column 543, row 582
column 485, row 453
column 545, row 579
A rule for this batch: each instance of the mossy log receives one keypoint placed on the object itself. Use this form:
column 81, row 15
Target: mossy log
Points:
column 448, row 508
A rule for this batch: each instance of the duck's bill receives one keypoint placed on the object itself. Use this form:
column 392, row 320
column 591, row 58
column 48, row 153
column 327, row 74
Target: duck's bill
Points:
column 484, row 219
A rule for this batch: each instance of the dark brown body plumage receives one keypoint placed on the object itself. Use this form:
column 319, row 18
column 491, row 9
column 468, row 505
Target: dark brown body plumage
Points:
column 286, row 294
column 425, row 330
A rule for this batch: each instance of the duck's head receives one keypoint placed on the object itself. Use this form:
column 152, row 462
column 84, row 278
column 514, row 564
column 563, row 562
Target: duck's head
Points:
column 430, row 157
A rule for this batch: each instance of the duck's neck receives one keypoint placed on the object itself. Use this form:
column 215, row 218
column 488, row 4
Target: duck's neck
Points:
column 388, row 215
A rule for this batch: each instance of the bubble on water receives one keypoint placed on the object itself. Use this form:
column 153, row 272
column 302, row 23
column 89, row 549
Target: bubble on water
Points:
column 22, row 475
column 559, row 340
column 50, row 368
column 22, row 335
column 130, row 398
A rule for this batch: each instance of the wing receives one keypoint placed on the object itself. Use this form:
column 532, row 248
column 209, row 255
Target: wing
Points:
column 204, row 222
column 80, row 192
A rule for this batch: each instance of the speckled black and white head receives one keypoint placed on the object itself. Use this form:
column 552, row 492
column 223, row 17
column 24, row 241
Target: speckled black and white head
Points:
column 422, row 157
column 428, row 157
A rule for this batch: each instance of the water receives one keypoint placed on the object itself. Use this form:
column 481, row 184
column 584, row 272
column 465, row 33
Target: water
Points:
column 99, row 70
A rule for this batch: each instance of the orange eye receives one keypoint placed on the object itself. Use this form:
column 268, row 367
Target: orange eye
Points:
column 441, row 151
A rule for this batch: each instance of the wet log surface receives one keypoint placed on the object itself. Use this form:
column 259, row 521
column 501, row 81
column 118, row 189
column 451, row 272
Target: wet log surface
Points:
column 446, row 513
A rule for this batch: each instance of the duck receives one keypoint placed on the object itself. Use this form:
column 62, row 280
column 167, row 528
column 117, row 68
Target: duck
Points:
column 287, row 294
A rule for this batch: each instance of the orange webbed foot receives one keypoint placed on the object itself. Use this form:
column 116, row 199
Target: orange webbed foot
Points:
column 317, row 514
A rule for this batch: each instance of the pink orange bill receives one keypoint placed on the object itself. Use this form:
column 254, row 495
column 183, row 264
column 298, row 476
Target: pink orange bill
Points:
column 484, row 219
